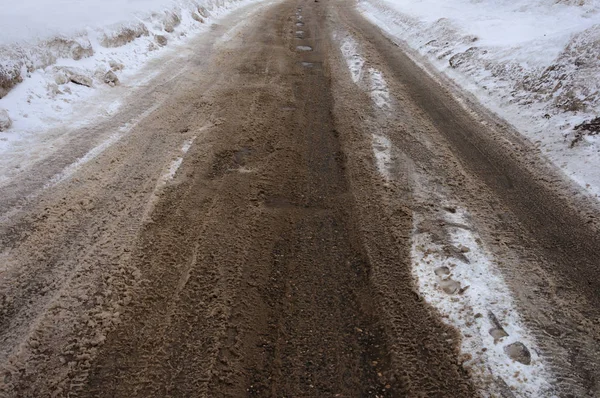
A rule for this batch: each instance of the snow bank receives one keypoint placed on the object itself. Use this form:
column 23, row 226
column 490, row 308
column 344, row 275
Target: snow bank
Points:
column 56, row 53
column 533, row 62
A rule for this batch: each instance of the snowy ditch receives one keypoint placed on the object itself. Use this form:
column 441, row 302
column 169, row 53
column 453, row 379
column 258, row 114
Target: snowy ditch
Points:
column 455, row 273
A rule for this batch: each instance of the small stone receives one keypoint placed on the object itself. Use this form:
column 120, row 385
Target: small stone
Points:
column 5, row 121
column 464, row 289
column 60, row 79
column 518, row 352
column 203, row 11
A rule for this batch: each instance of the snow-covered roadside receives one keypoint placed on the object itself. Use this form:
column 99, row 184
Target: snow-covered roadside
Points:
column 534, row 63
column 451, row 267
column 75, row 61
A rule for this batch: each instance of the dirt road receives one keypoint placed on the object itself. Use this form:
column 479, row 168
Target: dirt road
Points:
column 250, row 230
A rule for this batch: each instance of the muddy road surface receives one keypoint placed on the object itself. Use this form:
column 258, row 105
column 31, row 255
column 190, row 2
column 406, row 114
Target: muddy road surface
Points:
column 263, row 223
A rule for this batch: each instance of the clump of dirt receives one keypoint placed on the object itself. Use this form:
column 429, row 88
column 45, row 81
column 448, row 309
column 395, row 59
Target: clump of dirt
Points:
column 197, row 17
column 161, row 40
column 126, row 35
column 5, row 121
column 10, row 76
column 172, row 20
column 68, row 48
column 589, row 128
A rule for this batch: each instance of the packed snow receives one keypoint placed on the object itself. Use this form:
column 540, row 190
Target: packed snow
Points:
column 533, row 62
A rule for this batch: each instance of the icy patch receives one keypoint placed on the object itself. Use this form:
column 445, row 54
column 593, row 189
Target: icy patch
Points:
column 461, row 280
column 382, row 150
column 113, row 107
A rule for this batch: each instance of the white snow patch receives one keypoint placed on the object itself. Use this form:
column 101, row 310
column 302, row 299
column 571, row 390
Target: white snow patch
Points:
column 374, row 82
column 187, row 145
column 378, row 89
column 170, row 173
column 176, row 164
column 482, row 291
column 173, row 169
column 41, row 101
column 351, row 54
